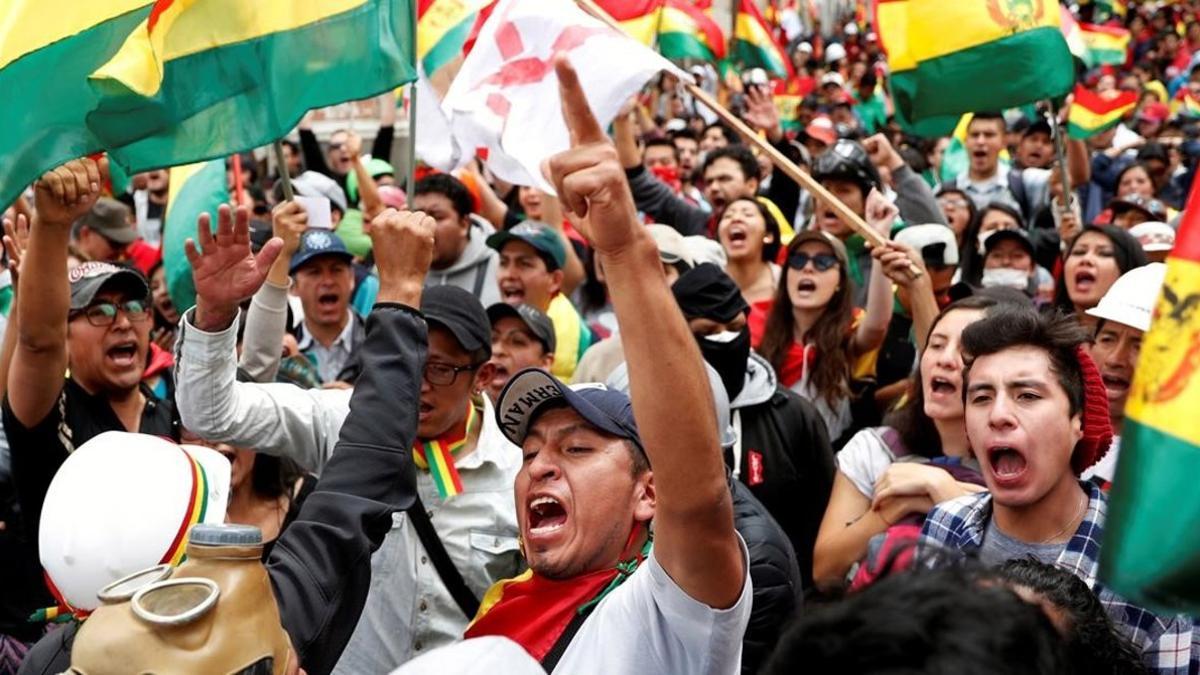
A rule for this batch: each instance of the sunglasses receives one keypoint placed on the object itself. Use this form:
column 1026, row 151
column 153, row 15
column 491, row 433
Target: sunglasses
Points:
column 821, row 262
column 103, row 314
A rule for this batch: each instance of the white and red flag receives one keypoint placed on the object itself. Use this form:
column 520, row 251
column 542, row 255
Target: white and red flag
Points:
column 504, row 102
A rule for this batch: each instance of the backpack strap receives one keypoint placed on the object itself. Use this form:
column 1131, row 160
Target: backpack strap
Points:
column 451, row 577
column 1016, row 186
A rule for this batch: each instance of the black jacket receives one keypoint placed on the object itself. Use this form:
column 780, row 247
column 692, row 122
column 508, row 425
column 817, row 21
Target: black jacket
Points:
column 773, row 572
column 321, row 565
column 786, row 458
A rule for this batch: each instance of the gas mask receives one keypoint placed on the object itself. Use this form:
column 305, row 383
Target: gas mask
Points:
column 214, row 615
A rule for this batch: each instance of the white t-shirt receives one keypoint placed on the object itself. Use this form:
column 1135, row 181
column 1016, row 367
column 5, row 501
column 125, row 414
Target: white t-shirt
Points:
column 864, row 459
column 650, row 625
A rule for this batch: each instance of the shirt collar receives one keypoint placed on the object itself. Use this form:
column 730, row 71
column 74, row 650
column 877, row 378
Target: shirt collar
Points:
column 998, row 180
column 343, row 340
column 491, row 447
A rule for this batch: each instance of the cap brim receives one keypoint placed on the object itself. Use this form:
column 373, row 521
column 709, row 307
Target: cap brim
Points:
column 531, row 391
column 464, row 337
column 125, row 279
column 1117, row 317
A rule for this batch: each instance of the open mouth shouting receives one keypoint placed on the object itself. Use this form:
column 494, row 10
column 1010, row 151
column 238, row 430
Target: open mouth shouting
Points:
column 328, row 302
column 943, row 387
column 501, row 376
column 123, row 355
column 736, row 236
column 1116, row 385
column 545, row 518
column 828, row 220
column 806, row 286
column 1085, row 281
column 1007, row 463
column 512, row 292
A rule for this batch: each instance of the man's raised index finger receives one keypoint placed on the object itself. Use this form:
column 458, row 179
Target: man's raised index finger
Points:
column 581, row 123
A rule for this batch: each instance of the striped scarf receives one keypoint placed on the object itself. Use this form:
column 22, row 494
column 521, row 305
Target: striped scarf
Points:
column 437, row 455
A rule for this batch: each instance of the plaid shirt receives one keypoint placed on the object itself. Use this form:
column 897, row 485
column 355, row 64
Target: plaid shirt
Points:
column 1167, row 644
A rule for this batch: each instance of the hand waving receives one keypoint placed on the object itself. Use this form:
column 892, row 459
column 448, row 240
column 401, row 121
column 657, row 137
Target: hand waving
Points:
column 589, row 178
column 16, row 239
column 224, row 269
column 762, row 113
column 64, row 194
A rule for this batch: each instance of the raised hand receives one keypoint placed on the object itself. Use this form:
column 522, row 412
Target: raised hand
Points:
column 589, row 178
column 224, row 270
column 881, row 213
column 16, row 239
column 62, row 195
column 897, row 260
column 882, row 153
column 289, row 220
column 762, row 113
column 402, row 242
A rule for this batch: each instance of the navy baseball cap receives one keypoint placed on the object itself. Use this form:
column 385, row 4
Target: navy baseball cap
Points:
column 315, row 243
column 533, row 390
column 540, row 236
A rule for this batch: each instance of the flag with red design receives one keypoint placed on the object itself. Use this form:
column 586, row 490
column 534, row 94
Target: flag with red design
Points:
column 503, row 103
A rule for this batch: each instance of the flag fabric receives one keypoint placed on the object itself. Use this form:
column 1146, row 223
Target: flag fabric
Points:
column 45, row 59
column 754, row 46
column 497, row 105
column 207, row 78
column 195, row 189
column 1186, row 104
column 1017, row 48
column 1151, row 552
column 638, row 18
column 1107, row 45
column 442, row 28
column 1092, row 113
column 1107, row 9
column 1073, row 35
column 686, row 32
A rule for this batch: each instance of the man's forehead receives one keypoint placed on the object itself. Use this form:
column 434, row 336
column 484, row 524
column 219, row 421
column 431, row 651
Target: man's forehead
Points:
column 562, row 420
column 1024, row 362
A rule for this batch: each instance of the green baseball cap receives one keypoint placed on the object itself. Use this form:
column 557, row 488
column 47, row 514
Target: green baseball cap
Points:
column 543, row 238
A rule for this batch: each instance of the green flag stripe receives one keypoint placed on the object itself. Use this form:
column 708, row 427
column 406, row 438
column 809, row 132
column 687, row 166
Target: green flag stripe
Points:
column 204, row 191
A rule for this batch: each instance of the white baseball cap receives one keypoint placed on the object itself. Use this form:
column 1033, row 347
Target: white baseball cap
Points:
column 1130, row 300
column 934, row 241
column 834, row 52
column 1154, row 236
column 124, row 502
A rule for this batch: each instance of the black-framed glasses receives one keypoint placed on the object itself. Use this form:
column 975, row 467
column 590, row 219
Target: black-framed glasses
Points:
column 444, row 374
column 103, row 314
column 821, row 261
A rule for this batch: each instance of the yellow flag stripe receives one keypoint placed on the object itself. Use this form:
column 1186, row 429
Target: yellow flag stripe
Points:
column 643, row 28
column 892, row 19
column 29, row 25
column 1087, row 119
column 938, row 28
column 194, row 26
column 1166, row 387
column 440, row 18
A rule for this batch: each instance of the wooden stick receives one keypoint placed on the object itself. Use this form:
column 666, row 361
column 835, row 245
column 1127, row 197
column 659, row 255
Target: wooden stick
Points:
column 288, row 194
column 787, row 166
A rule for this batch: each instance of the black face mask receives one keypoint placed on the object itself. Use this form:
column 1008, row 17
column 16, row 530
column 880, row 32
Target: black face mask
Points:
column 727, row 355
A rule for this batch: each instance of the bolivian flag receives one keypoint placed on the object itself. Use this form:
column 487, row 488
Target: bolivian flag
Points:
column 1151, row 549
column 195, row 189
column 1106, row 44
column 948, row 51
column 1092, row 113
column 206, row 78
column 753, row 44
column 686, row 32
column 442, row 28
column 638, row 18
column 46, row 55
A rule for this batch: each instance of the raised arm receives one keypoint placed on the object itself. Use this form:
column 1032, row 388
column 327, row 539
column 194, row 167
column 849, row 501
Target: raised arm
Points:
column 266, row 319
column 695, row 541
column 39, row 362
column 16, row 236
column 321, row 566
column 873, row 329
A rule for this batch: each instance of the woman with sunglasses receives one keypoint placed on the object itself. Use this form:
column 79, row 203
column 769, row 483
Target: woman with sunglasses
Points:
column 750, row 238
column 814, row 337
column 878, row 483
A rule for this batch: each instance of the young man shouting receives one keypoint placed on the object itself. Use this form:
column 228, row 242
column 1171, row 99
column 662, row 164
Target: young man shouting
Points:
column 1037, row 417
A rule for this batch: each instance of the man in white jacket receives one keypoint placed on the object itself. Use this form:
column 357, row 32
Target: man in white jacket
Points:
column 410, row 608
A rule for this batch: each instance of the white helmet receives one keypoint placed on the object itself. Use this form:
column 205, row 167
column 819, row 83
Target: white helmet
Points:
column 1131, row 298
column 121, row 503
column 834, row 52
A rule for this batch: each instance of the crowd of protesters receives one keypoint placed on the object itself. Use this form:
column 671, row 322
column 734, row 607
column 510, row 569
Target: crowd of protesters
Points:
column 677, row 418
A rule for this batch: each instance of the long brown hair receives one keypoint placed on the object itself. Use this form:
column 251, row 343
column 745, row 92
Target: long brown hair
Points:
column 830, row 376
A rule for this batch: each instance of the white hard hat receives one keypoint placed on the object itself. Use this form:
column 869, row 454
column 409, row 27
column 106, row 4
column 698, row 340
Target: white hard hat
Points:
column 1131, row 298
column 1154, row 236
column 834, row 52
column 851, row 29
column 123, row 502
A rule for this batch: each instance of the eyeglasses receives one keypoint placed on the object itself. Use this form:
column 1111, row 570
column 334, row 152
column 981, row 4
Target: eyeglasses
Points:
column 821, row 261
column 103, row 314
column 443, row 374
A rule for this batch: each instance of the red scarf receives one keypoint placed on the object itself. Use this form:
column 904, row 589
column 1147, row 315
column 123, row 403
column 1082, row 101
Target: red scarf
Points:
column 533, row 611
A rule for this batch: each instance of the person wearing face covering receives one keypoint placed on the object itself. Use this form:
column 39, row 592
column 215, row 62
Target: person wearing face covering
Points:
column 782, row 452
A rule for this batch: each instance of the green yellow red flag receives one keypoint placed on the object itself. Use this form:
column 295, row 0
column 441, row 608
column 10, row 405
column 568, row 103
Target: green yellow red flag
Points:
column 206, row 78
column 195, row 189
column 46, row 56
column 638, row 18
column 1151, row 551
column 687, row 32
column 442, row 28
column 1015, row 46
column 1092, row 113
column 754, row 46
column 1106, row 45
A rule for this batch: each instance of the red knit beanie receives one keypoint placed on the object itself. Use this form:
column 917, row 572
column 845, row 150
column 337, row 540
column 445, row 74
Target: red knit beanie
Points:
column 1097, row 427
